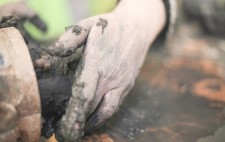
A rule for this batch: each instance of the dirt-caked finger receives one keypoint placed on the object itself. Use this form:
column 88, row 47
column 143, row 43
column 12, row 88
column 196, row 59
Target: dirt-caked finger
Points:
column 73, row 38
column 83, row 91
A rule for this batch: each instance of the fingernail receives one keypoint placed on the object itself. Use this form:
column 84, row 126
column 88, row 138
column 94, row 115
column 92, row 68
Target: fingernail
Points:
column 36, row 20
column 92, row 125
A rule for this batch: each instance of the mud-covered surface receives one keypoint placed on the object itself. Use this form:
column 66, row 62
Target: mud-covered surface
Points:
column 55, row 94
column 55, row 87
column 9, row 21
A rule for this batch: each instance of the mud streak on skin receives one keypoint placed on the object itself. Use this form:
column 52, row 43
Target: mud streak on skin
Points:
column 103, row 23
column 77, row 29
column 69, row 27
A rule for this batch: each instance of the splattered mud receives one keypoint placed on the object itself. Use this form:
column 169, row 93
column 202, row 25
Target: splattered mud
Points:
column 103, row 23
column 77, row 29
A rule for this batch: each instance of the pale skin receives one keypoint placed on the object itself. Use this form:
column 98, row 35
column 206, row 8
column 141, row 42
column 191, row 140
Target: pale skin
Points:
column 111, row 60
column 19, row 9
column 116, row 44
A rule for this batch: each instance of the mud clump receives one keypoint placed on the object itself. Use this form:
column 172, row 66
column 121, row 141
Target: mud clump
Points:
column 55, row 93
column 9, row 21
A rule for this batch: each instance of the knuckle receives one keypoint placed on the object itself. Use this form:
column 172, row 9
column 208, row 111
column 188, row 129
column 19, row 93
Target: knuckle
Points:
column 107, row 112
column 131, row 84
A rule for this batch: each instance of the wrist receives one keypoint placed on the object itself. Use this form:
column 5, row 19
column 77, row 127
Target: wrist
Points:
column 149, row 15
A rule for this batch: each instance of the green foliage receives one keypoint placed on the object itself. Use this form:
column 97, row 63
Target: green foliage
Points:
column 55, row 14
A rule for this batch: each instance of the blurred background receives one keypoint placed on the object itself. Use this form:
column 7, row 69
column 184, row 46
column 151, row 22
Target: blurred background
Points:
column 179, row 95
column 59, row 14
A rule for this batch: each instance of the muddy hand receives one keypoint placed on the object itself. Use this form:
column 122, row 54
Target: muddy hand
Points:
column 115, row 48
column 74, row 37
column 22, row 11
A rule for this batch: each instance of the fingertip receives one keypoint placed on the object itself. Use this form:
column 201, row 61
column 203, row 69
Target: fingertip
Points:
column 39, row 23
column 93, row 124
column 107, row 107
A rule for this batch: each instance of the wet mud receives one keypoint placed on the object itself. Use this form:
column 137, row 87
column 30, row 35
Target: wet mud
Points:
column 102, row 23
column 77, row 29
column 55, row 94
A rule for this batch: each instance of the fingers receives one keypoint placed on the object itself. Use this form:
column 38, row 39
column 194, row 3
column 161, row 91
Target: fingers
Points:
column 83, row 90
column 19, row 9
column 38, row 22
column 109, row 105
column 73, row 38
column 100, row 92
column 43, row 63
column 22, row 11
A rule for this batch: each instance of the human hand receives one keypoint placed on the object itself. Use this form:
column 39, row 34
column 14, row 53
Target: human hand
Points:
column 115, row 48
column 21, row 11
